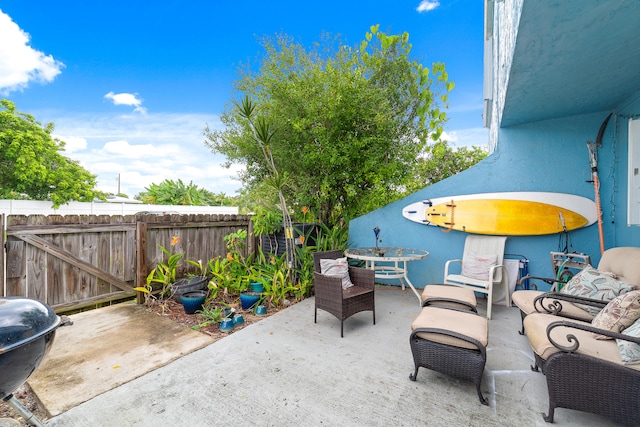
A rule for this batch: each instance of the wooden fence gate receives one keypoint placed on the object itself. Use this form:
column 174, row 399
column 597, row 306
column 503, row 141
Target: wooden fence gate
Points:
column 76, row 261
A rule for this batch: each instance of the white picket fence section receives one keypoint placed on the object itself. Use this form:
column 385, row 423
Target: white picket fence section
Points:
column 131, row 207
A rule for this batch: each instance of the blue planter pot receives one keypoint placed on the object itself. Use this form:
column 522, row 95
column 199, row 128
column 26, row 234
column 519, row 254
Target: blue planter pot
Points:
column 256, row 287
column 226, row 325
column 238, row 320
column 249, row 299
column 192, row 301
column 188, row 284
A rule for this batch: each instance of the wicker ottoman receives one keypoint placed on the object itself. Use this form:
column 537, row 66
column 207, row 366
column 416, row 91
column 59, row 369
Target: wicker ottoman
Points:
column 449, row 296
column 451, row 342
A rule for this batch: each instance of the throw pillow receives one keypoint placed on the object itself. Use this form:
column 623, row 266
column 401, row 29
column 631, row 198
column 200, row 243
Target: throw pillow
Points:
column 477, row 266
column 336, row 268
column 630, row 351
column 595, row 284
column 620, row 313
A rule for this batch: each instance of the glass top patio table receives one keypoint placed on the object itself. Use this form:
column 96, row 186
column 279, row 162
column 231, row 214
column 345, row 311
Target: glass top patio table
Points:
column 389, row 262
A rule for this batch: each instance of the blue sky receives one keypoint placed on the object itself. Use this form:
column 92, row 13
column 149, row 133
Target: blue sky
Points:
column 130, row 85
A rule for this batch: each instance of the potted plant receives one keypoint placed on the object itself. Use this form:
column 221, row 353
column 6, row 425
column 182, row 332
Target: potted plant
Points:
column 190, row 283
column 165, row 274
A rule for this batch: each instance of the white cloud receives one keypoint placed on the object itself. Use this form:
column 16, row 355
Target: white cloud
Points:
column 427, row 5
column 478, row 137
column 72, row 143
column 146, row 149
column 131, row 99
column 20, row 64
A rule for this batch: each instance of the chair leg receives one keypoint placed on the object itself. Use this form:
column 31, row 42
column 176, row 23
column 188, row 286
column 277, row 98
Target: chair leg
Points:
column 489, row 301
column 413, row 376
column 374, row 316
column 341, row 328
column 549, row 418
column 315, row 315
column 507, row 302
column 521, row 331
column 480, row 396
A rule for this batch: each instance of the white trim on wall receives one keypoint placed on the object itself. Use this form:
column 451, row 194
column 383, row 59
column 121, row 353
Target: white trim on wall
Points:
column 633, row 201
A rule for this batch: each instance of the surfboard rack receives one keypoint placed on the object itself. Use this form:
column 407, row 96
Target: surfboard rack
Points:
column 563, row 263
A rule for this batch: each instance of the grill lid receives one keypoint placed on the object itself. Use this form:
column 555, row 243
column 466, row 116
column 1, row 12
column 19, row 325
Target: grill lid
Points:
column 23, row 320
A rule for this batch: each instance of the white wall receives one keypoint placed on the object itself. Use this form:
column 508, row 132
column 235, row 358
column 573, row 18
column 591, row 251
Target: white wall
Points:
column 32, row 207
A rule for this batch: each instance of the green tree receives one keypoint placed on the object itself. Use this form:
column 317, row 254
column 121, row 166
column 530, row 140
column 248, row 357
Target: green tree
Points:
column 31, row 163
column 441, row 161
column 170, row 192
column 348, row 123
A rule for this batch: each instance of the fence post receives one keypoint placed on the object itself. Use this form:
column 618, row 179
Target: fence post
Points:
column 251, row 239
column 3, row 251
column 141, row 257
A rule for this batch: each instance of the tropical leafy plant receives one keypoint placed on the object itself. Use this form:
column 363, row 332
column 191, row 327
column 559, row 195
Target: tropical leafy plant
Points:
column 164, row 273
column 275, row 275
column 211, row 315
column 266, row 221
column 170, row 192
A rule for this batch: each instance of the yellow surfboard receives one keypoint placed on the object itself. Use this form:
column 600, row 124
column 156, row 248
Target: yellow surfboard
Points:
column 508, row 214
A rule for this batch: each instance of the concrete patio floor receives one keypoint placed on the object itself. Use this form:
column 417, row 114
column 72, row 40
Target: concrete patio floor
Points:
column 287, row 371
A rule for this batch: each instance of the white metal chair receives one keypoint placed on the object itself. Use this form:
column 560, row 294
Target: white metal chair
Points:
column 481, row 267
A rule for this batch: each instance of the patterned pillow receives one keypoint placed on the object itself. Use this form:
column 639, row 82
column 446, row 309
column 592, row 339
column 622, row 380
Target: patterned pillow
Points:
column 477, row 266
column 594, row 284
column 337, row 268
column 629, row 351
column 620, row 313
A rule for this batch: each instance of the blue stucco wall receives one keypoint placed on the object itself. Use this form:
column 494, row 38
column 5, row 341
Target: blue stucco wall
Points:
column 543, row 156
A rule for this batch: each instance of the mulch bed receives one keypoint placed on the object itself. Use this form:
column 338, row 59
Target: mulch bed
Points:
column 169, row 309
column 174, row 311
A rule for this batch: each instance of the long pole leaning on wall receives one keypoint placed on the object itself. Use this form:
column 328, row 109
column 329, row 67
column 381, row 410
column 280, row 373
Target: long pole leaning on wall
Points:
column 593, row 160
column 141, row 258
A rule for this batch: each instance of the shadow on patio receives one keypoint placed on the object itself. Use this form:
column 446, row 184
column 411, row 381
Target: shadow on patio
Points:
column 285, row 370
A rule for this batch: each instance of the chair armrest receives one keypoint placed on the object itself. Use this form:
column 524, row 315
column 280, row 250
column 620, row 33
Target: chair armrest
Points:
column 548, row 280
column 572, row 340
column 448, row 263
column 327, row 286
column 493, row 269
column 554, row 305
column 363, row 277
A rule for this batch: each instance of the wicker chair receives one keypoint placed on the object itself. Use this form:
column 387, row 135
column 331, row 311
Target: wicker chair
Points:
column 343, row 303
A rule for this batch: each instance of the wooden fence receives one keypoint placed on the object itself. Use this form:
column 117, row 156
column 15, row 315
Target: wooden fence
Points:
column 74, row 261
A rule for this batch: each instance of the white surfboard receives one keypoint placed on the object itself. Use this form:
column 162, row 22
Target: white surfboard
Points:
column 509, row 213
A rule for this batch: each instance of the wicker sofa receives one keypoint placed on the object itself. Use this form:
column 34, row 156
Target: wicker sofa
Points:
column 584, row 371
column 623, row 262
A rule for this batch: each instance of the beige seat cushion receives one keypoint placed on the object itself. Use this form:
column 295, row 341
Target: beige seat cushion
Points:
column 464, row 323
column 523, row 299
column 536, row 326
column 452, row 292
